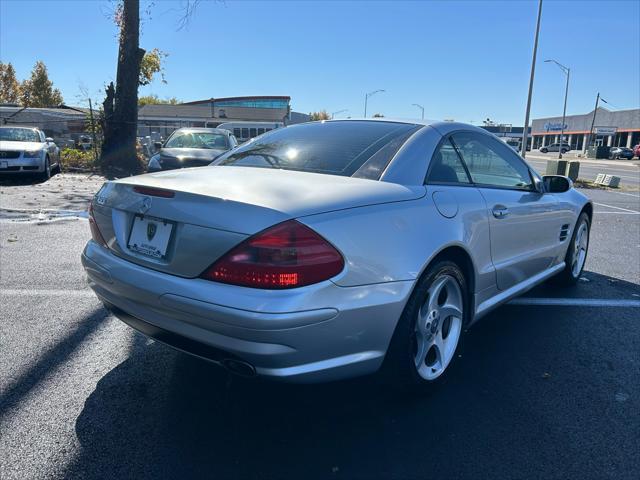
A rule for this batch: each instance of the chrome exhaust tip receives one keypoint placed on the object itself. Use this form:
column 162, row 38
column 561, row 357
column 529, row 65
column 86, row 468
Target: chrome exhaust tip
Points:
column 239, row 367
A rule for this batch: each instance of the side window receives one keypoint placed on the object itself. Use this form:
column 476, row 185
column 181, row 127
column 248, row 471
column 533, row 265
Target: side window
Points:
column 446, row 167
column 491, row 162
column 245, row 133
column 236, row 132
column 252, row 132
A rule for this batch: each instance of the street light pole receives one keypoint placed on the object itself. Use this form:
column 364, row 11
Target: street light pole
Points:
column 338, row 112
column 420, row 107
column 525, row 131
column 366, row 98
column 567, row 72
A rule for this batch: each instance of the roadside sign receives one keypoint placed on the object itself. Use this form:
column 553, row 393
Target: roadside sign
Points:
column 605, row 130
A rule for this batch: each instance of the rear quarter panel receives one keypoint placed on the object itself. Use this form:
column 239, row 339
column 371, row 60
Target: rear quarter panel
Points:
column 396, row 241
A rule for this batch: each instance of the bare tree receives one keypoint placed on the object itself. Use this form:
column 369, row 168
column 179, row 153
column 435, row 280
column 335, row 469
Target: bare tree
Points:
column 188, row 9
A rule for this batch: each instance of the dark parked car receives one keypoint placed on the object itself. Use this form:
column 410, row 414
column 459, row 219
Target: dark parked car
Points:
column 620, row 152
column 191, row 147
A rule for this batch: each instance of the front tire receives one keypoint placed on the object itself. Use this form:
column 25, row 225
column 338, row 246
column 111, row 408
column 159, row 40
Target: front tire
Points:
column 428, row 336
column 576, row 253
column 46, row 175
column 543, row 150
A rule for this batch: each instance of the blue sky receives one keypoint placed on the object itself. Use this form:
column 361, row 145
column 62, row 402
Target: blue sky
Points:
column 462, row 60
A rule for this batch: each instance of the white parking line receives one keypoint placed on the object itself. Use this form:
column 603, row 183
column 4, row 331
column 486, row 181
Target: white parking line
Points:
column 625, row 193
column 618, row 208
column 617, row 213
column 24, row 292
column 575, row 302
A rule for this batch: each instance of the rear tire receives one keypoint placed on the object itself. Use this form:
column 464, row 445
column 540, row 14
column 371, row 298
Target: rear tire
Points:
column 428, row 337
column 576, row 256
column 543, row 150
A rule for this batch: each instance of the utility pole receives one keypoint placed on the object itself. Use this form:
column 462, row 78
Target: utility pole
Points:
column 593, row 121
column 525, row 131
column 93, row 133
column 366, row 98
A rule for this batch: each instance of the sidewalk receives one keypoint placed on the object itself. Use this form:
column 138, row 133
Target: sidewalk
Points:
column 554, row 156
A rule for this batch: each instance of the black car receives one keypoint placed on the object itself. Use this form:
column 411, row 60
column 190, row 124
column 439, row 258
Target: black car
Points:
column 191, row 147
column 620, row 152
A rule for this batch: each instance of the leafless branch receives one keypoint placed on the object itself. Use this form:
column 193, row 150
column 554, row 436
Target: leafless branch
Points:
column 188, row 8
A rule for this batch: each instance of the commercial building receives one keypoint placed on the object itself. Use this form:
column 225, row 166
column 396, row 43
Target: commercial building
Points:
column 620, row 128
column 164, row 119
column 58, row 122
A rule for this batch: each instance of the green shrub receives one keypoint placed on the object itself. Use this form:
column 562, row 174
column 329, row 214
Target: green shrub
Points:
column 73, row 159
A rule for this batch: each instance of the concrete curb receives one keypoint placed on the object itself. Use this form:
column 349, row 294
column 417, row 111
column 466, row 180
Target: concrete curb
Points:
column 629, row 163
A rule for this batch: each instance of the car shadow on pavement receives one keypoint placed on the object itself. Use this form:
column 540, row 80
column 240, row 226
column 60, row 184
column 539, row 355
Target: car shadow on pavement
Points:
column 19, row 180
column 534, row 395
column 48, row 361
column 591, row 285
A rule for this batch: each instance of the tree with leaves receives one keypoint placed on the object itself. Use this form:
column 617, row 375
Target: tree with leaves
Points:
column 152, row 63
column 118, row 157
column 38, row 91
column 321, row 115
column 9, row 86
column 120, row 107
column 155, row 100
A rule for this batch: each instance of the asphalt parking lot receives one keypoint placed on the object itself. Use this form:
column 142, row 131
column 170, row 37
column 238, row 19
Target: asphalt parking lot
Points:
column 547, row 387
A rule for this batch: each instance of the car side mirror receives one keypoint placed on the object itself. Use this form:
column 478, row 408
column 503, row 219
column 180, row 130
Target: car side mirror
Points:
column 556, row 183
column 157, row 145
column 48, row 140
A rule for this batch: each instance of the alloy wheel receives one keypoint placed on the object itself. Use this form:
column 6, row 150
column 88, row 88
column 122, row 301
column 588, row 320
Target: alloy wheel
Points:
column 580, row 245
column 438, row 327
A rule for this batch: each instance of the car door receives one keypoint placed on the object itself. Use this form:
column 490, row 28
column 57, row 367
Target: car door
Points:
column 461, row 204
column 524, row 224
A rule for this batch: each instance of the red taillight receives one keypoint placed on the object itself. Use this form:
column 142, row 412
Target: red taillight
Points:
column 287, row 255
column 154, row 192
column 93, row 226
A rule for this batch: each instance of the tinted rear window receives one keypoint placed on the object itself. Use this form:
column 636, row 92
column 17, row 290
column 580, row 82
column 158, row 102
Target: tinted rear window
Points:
column 337, row 148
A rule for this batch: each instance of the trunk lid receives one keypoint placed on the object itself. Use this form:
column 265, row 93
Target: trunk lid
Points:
column 213, row 209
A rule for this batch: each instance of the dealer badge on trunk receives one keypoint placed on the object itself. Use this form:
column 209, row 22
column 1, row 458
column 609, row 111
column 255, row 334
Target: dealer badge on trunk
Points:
column 151, row 230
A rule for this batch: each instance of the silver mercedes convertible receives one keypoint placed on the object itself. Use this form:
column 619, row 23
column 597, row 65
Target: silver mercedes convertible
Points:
column 333, row 249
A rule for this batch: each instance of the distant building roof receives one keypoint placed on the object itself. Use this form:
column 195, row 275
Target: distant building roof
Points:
column 249, row 97
column 177, row 111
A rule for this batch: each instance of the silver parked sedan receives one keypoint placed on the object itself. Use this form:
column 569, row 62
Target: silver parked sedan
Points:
column 27, row 150
column 333, row 249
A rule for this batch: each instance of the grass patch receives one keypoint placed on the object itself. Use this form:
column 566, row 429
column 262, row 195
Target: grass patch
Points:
column 77, row 160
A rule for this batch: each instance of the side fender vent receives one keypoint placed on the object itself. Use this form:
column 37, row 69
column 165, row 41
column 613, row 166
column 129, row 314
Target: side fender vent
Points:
column 564, row 232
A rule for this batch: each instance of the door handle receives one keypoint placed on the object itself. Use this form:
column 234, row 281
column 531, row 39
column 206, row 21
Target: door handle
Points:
column 500, row 211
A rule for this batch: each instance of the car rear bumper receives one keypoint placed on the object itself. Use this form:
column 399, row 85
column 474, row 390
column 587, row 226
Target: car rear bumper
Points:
column 321, row 332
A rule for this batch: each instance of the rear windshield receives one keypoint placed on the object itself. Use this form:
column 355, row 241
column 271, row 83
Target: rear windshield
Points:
column 349, row 148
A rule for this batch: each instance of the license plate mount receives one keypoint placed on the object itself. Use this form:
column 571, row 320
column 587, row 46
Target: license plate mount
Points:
column 150, row 236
